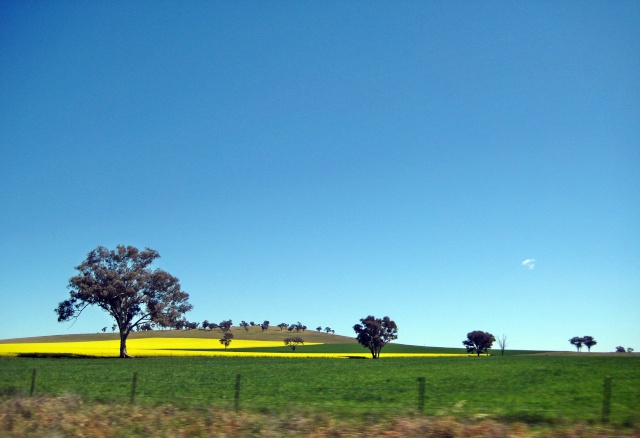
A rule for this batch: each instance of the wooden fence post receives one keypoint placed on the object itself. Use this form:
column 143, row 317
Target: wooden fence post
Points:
column 421, row 381
column 33, row 382
column 132, row 399
column 606, row 400
column 236, row 397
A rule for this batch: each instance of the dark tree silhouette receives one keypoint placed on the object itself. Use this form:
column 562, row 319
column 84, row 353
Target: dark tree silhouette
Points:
column 226, row 339
column 589, row 342
column 245, row 325
column 293, row 342
column 283, row 325
column 502, row 343
column 577, row 342
column 478, row 342
column 374, row 333
column 297, row 327
column 265, row 326
column 121, row 283
column 225, row 326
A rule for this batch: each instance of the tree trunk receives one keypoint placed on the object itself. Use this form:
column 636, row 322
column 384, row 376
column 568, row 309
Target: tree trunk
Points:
column 123, row 345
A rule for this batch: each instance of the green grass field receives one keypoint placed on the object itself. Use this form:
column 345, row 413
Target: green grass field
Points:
column 532, row 388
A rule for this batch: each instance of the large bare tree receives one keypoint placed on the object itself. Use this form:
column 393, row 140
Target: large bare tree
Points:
column 121, row 283
column 502, row 342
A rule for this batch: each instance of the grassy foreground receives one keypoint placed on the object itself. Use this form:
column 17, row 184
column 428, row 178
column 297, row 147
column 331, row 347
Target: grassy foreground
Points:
column 532, row 389
column 71, row 416
column 410, row 391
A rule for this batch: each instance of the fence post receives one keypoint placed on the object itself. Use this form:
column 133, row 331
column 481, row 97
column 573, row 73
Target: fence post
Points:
column 236, row 397
column 132, row 399
column 606, row 400
column 421, row 394
column 33, row 382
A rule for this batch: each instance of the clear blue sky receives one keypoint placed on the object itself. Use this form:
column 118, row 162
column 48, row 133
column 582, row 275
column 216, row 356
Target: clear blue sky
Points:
column 323, row 161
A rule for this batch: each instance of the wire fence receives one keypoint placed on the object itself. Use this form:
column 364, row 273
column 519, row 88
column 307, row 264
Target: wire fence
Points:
column 610, row 402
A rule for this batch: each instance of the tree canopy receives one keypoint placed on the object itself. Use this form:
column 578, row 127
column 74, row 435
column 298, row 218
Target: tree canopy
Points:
column 579, row 341
column 121, row 283
column 589, row 342
column 226, row 339
column 374, row 333
column 293, row 342
column 478, row 342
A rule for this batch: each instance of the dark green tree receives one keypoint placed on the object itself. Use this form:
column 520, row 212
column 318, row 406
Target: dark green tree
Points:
column 122, row 283
column 577, row 342
column 226, row 339
column 225, row 326
column 589, row 342
column 478, row 342
column 293, row 342
column 374, row 333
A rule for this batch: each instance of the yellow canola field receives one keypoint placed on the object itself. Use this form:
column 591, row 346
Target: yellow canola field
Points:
column 178, row 347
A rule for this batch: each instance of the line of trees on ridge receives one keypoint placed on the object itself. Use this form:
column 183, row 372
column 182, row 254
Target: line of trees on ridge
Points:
column 122, row 283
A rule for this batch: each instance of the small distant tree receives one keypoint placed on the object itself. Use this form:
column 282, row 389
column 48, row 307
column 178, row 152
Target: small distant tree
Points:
column 478, row 342
column 283, row 325
column 104, row 329
column 620, row 349
column 297, row 327
column 265, row 326
column 577, row 342
column 589, row 342
column 502, row 342
column 293, row 342
column 374, row 333
column 226, row 339
column 225, row 326
column 145, row 327
column 252, row 324
column 629, row 350
column 319, row 328
column 245, row 325
column 327, row 329
column 205, row 324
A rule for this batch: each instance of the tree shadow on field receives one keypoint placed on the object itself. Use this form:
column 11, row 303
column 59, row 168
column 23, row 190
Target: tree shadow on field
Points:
column 60, row 356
